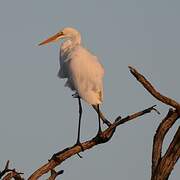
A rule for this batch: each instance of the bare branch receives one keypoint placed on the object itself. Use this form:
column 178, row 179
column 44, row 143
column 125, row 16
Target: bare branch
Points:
column 163, row 128
column 54, row 174
column 10, row 173
column 162, row 166
column 5, row 170
column 147, row 85
column 168, row 161
column 13, row 175
column 106, row 135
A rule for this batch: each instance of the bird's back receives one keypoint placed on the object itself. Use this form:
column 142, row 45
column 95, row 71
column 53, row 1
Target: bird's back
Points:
column 84, row 74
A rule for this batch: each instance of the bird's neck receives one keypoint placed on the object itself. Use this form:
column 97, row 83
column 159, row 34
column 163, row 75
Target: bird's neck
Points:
column 76, row 40
column 71, row 43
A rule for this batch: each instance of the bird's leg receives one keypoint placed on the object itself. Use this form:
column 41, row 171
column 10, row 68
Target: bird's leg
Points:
column 79, row 124
column 99, row 120
column 98, row 137
column 105, row 121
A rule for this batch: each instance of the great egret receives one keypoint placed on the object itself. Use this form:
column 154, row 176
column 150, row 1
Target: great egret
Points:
column 83, row 71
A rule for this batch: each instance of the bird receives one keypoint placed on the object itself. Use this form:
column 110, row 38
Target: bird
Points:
column 82, row 70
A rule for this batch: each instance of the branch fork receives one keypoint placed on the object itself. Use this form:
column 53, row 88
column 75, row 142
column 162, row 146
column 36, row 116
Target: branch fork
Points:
column 162, row 165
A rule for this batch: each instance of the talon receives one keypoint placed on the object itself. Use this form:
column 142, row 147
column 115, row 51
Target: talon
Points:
column 98, row 136
column 79, row 144
column 82, row 149
column 79, row 155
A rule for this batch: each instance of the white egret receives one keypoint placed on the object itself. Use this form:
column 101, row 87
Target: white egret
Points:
column 83, row 71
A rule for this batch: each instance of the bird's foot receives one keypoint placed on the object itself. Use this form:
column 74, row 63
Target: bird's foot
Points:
column 78, row 143
column 99, row 134
column 99, row 137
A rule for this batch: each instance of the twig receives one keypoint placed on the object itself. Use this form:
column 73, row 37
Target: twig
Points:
column 10, row 173
column 13, row 175
column 162, row 166
column 5, row 170
column 147, row 85
column 54, row 174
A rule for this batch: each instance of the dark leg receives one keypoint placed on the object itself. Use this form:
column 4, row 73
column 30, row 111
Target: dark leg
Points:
column 78, row 143
column 99, row 120
column 79, row 126
column 101, row 116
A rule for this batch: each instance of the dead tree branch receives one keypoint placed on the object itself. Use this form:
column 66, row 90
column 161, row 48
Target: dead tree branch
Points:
column 167, row 162
column 54, row 174
column 162, row 130
column 106, row 135
column 162, row 166
column 5, row 170
column 10, row 173
column 13, row 175
column 147, row 85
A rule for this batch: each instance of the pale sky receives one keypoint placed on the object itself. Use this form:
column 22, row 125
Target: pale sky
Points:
column 38, row 114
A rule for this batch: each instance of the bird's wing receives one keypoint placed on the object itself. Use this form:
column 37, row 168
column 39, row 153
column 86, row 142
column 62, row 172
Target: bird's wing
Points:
column 63, row 71
column 64, row 58
column 87, row 75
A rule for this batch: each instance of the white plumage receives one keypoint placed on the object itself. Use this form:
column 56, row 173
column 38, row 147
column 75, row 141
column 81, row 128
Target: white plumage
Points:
column 84, row 74
column 83, row 71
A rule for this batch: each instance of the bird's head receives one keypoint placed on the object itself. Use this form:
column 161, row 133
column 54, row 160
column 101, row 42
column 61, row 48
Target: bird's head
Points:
column 68, row 32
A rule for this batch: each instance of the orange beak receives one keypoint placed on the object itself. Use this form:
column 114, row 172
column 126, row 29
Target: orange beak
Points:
column 52, row 39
